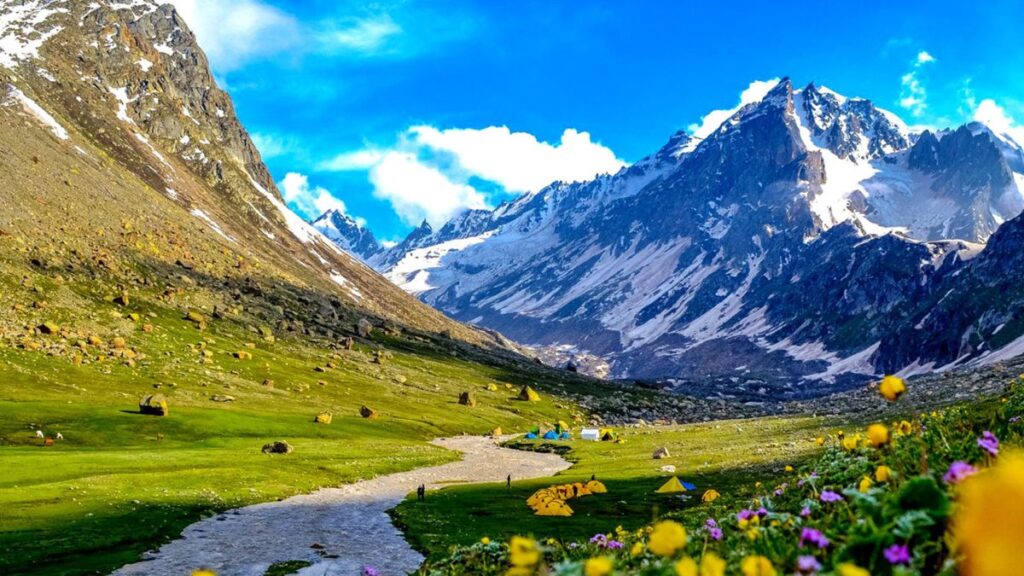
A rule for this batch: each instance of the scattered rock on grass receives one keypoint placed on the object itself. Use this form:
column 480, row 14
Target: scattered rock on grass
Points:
column 278, row 447
column 323, row 418
column 154, row 405
column 467, row 399
column 367, row 412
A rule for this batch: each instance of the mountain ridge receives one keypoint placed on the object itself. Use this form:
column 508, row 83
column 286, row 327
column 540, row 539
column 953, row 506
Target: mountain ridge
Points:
column 684, row 256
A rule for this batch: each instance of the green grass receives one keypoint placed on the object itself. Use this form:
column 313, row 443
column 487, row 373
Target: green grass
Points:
column 725, row 455
column 120, row 483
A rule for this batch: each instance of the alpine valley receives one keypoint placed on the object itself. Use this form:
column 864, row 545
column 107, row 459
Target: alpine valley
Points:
column 808, row 243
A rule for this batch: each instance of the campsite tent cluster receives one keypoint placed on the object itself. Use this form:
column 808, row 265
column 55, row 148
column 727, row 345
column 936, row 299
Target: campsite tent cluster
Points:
column 552, row 501
column 559, row 432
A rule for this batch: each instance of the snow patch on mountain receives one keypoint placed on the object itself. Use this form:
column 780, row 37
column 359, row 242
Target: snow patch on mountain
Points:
column 31, row 107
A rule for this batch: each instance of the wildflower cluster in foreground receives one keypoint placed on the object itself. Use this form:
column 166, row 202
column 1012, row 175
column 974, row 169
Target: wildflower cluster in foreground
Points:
column 932, row 494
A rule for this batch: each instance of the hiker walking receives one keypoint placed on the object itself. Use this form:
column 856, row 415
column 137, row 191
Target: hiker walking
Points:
column 508, row 482
column 421, row 492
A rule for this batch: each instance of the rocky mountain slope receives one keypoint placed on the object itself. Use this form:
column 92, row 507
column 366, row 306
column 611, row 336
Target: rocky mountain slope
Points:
column 791, row 252
column 119, row 151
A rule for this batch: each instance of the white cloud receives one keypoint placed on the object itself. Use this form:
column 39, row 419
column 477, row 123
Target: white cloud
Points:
column 995, row 117
column 272, row 146
column 355, row 160
column 309, row 202
column 913, row 95
column 420, row 192
column 427, row 173
column 232, row 32
column 363, row 34
column 755, row 92
column 235, row 32
column 517, row 160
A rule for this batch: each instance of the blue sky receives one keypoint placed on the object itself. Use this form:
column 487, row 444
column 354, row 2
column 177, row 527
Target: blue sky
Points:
column 406, row 110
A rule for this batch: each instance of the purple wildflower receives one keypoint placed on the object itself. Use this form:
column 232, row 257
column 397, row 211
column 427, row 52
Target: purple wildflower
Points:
column 370, row 571
column 710, row 523
column 744, row 514
column 989, row 443
column 807, row 565
column 762, row 511
column 830, row 496
column 805, row 511
column 573, row 545
column 898, row 554
column 1015, row 419
column 958, row 471
column 813, row 536
column 780, row 491
column 715, row 533
column 614, row 545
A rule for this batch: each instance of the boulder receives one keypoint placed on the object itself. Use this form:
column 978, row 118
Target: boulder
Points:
column 323, row 418
column 268, row 384
column 49, row 328
column 122, row 299
column 278, row 447
column 243, row 355
column 154, row 405
column 118, row 343
column 222, row 398
column 364, row 328
column 660, row 453
column 367, row 412
column 195, row 317
column 467, row 399
column 348, row 343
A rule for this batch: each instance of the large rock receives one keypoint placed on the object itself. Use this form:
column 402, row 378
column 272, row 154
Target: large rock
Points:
column 323, row 418
column 660, row 453
column 154, row 405
column 367, row 412
column 467, row 399
column 528, row 394
column 364, row 328
column 278, row 447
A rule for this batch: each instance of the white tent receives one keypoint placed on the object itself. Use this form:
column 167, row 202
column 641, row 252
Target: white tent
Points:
column 591, row 434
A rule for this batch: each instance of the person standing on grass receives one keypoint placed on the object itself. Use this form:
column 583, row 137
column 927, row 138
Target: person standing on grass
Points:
column 508, row 482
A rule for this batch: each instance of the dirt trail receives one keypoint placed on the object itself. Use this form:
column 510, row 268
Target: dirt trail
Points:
column 350, row 522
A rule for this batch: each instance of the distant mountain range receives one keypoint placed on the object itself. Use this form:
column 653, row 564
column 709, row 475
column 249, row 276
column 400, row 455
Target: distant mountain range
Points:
column 808, row 243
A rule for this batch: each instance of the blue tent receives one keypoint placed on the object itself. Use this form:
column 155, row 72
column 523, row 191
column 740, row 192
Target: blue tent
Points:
column 531, row 436
column 566, row 436
column 689, row 486
column 551, row 435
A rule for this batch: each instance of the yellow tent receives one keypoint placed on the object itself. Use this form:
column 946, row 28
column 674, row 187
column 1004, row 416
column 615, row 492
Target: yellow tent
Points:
column 673, row 486
column 596, row 487
column 561, row 426
column 554, row 508
column 529, row 394
column 607, row 435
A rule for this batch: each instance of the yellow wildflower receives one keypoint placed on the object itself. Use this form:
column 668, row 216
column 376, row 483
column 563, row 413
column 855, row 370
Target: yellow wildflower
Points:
column 819, row 441
column 637, row 549
column 989, row 524
column 878, row 435
column 686, row 567
column 847, row 569
column 712, row 565
column 600, row 566
column 904, row 427
column 752, row 534
column 865, row 484
column 523, row 552
column 757, row 566
column 789, row 469
column 851, row 442
column 892, row 387
column 667, row 538
column 883, row 473
column 758, row 484
column 710, row 495
column 485, row 540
